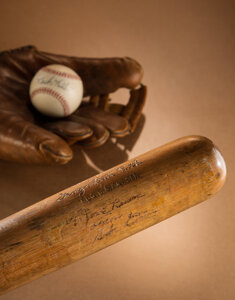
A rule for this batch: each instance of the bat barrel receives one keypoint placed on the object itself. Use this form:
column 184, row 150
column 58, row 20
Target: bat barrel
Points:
column 107, row 208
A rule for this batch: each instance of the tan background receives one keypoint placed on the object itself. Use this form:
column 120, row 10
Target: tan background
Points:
column 187, row 50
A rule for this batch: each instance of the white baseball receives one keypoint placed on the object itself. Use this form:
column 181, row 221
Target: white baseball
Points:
column 56, row 91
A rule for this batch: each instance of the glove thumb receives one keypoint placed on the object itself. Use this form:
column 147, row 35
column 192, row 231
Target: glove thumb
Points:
column 25, row 142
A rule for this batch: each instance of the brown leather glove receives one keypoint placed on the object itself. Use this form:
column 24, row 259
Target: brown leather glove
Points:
column 28, row 136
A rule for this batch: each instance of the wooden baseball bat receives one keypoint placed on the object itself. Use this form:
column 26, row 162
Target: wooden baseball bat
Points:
column 107, row 208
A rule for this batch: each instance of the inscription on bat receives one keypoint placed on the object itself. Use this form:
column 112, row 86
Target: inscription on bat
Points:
column 133, row 218
column 102, row 234
column 85, row 214
column 85, row 196
column 109, row 188
column 104, row 221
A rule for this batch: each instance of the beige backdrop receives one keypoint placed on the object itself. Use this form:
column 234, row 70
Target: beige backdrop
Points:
column 187, row 50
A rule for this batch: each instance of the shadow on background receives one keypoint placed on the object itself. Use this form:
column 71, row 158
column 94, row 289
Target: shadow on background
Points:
column 24, row 185
column 115, row 151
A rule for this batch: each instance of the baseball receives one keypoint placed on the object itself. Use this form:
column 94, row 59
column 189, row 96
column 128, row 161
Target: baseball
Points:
column 56, row 91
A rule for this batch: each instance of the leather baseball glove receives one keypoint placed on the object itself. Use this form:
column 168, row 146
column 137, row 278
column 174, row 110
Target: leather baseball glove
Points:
column 29, row 137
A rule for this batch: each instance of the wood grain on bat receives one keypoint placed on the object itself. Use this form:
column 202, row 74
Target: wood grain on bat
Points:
column 107, row 208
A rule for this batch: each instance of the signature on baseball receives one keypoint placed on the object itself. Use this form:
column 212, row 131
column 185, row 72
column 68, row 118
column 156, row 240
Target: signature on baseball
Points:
column 53, row 81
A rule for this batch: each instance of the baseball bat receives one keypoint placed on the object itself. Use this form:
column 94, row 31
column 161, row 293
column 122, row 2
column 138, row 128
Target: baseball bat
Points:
column 107, row 208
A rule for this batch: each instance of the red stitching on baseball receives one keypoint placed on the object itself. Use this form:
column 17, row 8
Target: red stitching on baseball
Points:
column 58, row 96
column 59, row 73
